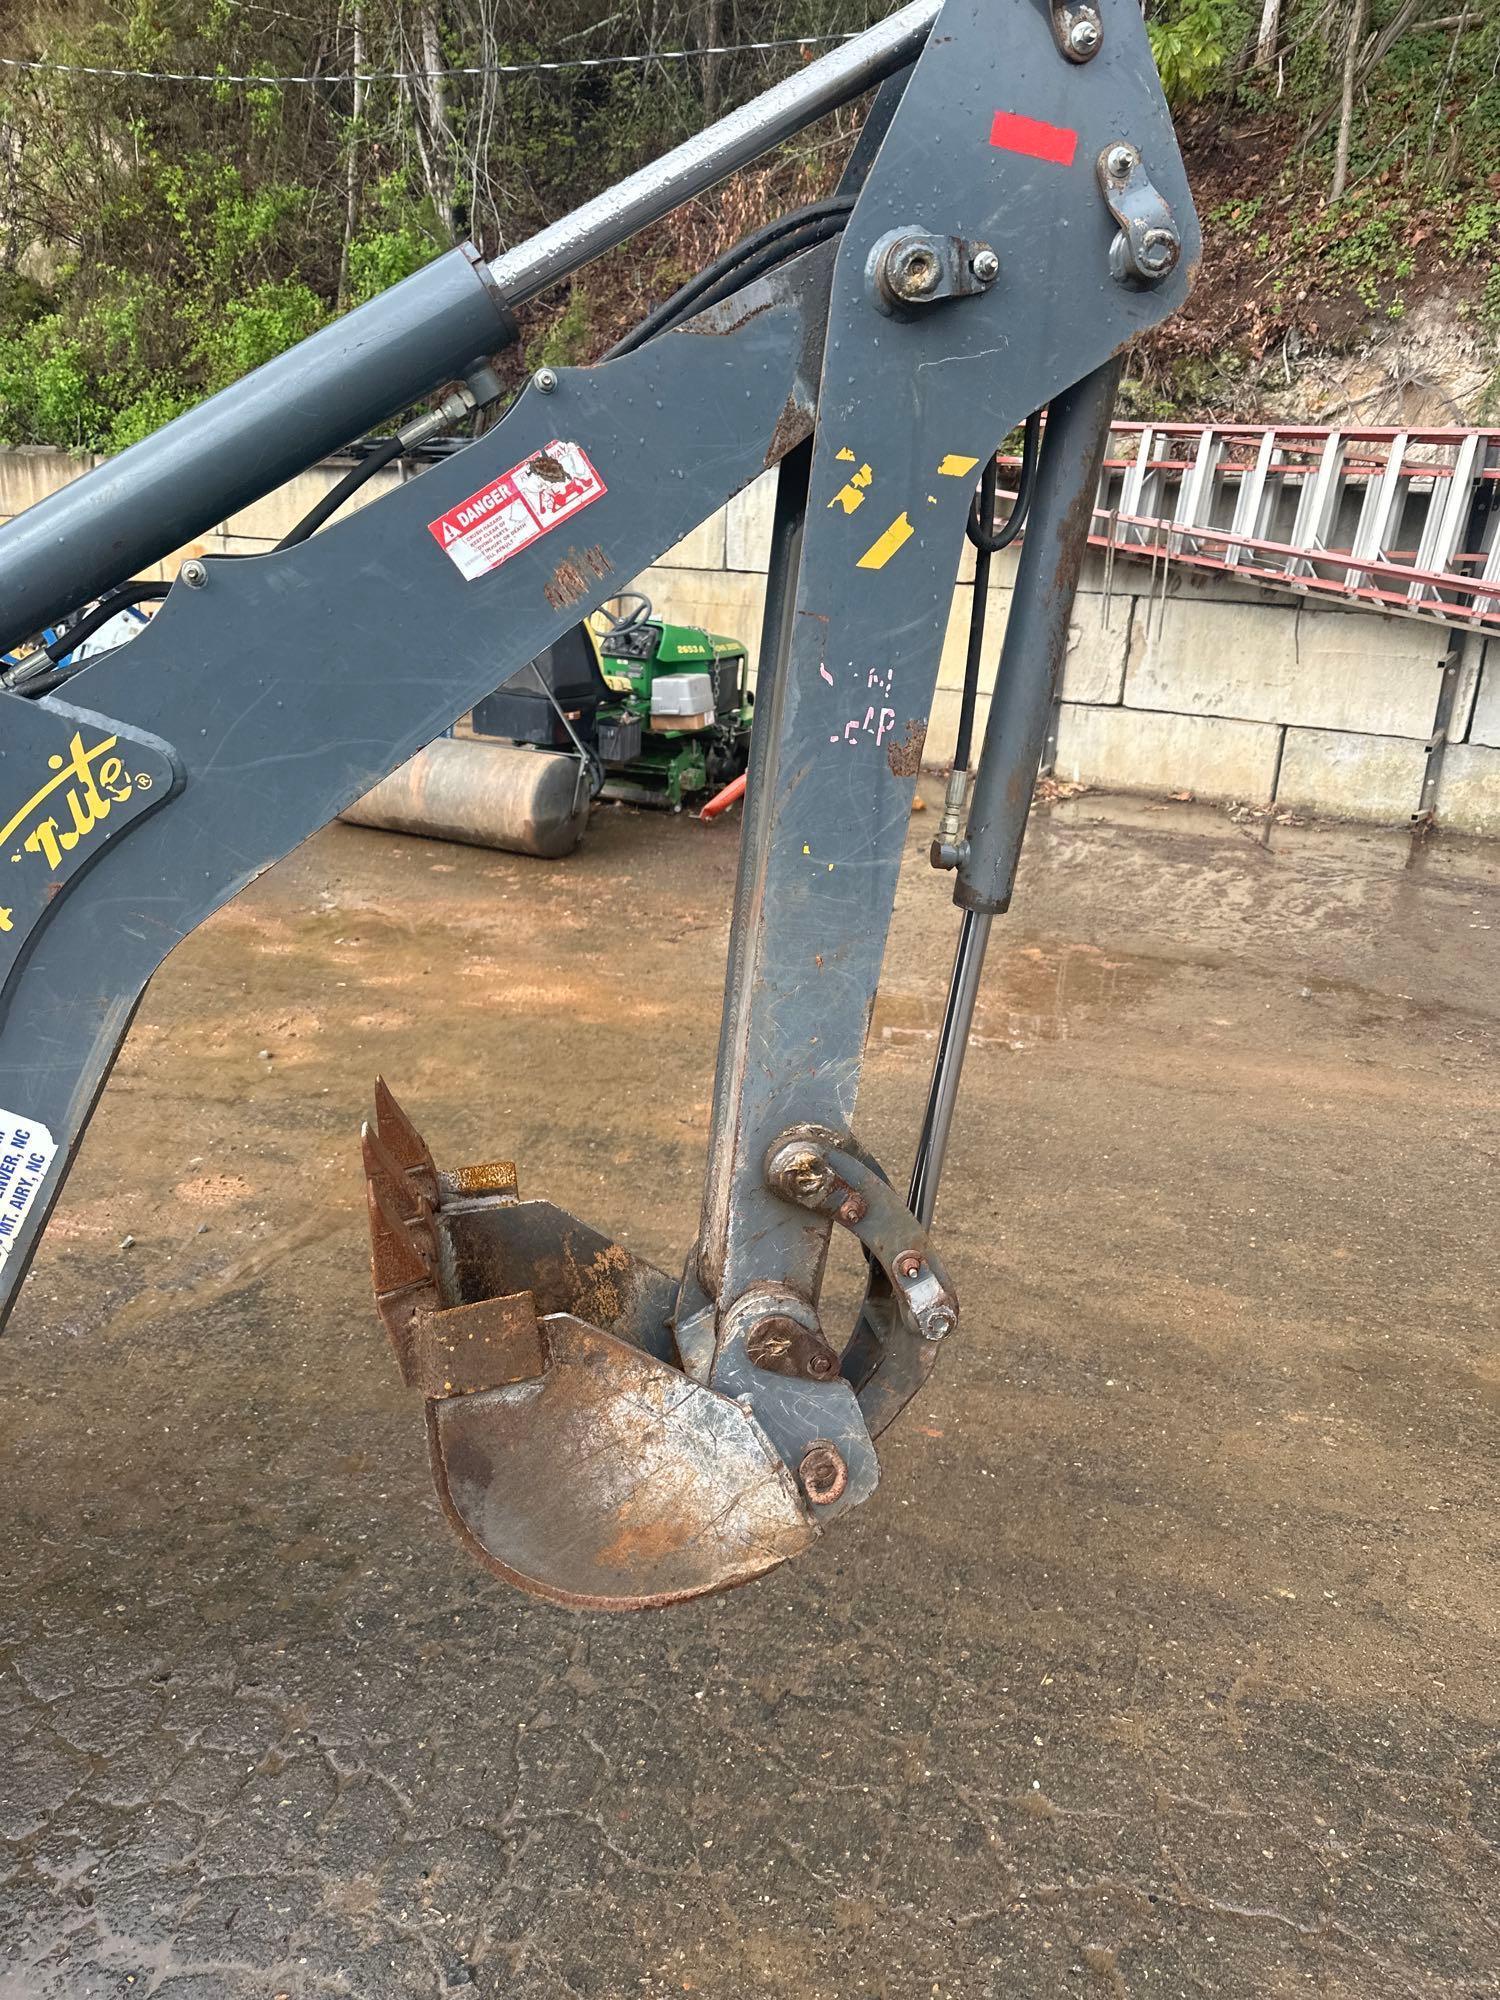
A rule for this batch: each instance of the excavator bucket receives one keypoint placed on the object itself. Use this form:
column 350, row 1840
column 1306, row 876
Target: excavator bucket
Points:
column 569, row 1450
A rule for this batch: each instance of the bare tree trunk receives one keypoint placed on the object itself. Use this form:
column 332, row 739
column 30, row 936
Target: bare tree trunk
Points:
column 1358, row 14
column 1375, row 52
column 355, row 154
column 712, row 38
column 444, row 150
column 1442, row 89
column 1270, row 30
column 10, row 235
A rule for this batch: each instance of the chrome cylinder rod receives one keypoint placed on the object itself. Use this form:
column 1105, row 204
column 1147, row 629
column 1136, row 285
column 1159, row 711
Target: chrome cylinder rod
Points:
column 953, row 1042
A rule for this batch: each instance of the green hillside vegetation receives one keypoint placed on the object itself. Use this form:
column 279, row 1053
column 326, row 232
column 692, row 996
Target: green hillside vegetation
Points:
column 158, row 239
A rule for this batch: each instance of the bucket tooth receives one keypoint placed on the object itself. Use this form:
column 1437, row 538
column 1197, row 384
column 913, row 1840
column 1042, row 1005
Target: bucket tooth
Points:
column 399, row 1136
column 396, row 1260
column 381, row 1167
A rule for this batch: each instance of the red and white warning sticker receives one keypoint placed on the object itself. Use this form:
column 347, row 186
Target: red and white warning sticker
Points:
column 516, row 509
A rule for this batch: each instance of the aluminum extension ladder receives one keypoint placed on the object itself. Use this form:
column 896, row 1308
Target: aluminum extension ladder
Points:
column 1401, row 521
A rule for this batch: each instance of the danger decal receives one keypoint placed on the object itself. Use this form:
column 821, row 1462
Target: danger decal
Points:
column 516, row 509
column 26, row 1152
column 1032, row 136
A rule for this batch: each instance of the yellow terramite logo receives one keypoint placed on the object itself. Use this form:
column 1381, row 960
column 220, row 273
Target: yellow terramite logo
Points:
column 83, row 788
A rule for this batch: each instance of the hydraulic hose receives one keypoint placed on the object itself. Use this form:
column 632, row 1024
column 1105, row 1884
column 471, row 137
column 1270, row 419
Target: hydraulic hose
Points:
column 107, row 608
column 984, row 500
column 334, row 498
column 744, row 261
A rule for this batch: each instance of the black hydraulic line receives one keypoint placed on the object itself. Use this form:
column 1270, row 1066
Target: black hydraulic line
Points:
column 386, row 355
column 990, row 539
column 351, row 482
column 107, row 608
column 48, row 682
column 748, row 259
column 769, row 259
column 978, row 607
column 787, row 236
column 253, row 436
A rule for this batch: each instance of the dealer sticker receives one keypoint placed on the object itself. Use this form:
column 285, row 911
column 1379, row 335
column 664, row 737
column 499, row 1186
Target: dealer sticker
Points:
column 26, row 1152
column 517, row 509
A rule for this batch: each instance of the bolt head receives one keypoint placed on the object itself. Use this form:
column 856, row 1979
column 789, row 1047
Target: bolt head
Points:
column 194, row 575
column 1120, row 161
column 802, row 1174
column 545, row 379
column 985, row 265
column 914, row 271
column 1160, row 250
column 784, row 1346
column 938, row 1322
column 823, row 1473
column 1084, row 35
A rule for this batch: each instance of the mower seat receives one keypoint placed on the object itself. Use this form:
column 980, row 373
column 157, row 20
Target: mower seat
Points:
column 519, row 711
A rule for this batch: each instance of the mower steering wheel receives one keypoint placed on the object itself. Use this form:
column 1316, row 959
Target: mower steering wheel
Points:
column 631, row 607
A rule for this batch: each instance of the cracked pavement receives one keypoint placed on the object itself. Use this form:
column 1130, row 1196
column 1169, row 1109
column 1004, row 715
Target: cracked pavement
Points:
column 1163, row 1662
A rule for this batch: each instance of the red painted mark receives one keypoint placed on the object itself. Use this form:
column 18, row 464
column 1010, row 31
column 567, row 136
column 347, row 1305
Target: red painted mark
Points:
column 1038, row 141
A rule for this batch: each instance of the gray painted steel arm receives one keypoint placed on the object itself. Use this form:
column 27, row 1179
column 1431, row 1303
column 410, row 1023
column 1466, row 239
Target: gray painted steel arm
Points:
column 255, row 708
column 996, row 141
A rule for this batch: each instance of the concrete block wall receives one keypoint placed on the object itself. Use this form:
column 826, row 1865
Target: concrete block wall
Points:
column 1206, row 686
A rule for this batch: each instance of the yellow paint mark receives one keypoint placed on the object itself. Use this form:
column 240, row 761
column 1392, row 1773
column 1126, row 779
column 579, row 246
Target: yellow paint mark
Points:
column 880, row 551
column 6, row 922
column 852, row 494
column 932, row 499
column 955, row 465
column 805, row 848
column 845, row 452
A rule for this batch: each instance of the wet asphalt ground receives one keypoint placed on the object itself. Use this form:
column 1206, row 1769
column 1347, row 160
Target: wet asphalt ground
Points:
column 1164, row 1661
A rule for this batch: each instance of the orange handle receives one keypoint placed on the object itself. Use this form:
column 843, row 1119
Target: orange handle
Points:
column 722, row 801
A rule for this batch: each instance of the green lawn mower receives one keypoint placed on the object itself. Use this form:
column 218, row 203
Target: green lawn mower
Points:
column 655, row 714
column 650, row 713
column 674, row 720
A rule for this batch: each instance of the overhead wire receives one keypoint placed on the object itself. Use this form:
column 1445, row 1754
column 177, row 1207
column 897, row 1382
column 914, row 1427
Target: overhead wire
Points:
column 540, row 67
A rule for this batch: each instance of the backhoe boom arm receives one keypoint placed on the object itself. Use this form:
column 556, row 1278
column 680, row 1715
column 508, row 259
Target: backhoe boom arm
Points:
column 1023, row 217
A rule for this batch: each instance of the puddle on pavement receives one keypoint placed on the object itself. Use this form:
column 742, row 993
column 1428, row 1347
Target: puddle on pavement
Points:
column 1032, row 993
